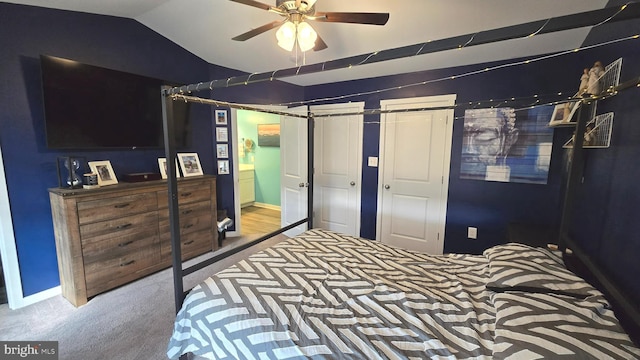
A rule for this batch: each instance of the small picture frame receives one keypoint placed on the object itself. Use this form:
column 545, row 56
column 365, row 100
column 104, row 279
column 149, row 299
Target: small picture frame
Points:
column 221, row 117
column 103, row 168
column 190, row 164
column 162, row 164
column 563, row 113
column 222, row 134
column 222, row 151
column 223, row 167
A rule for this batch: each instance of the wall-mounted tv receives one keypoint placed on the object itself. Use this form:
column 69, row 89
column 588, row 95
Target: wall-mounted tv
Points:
column 89, row 107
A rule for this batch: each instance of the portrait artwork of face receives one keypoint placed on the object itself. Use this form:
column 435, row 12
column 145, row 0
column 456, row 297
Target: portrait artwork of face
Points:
column 488, row 136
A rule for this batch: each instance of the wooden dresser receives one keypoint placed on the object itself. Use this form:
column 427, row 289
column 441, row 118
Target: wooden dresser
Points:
column 115, row 234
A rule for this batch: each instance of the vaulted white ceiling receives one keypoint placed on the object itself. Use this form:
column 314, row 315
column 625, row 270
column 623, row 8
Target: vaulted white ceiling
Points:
column 205, row 28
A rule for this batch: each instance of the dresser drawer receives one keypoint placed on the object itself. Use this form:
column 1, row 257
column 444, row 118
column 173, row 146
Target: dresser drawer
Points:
column 187, row 225
column 193, row 244
column 116, row 227
column 187, row 210
column 100, row 249
column 109, row 265
column 187, row 193
column 114, row 207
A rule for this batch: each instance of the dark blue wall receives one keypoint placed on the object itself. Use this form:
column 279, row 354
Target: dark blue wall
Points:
column 606, row 219
column 111, row 42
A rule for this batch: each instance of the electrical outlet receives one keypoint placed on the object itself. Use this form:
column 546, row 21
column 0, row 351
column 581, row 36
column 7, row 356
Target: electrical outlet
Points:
column 472, row 232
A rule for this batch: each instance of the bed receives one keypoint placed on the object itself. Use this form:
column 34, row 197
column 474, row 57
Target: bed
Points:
column 327, row 295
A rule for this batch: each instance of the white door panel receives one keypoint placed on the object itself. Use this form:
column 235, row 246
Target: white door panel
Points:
column 338, row 167
column 414, row 170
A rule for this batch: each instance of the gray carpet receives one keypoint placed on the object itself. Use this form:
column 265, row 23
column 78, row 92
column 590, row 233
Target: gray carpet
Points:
column 134, row 321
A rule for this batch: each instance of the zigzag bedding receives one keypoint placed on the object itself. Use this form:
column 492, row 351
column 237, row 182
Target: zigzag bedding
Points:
column 324, row 295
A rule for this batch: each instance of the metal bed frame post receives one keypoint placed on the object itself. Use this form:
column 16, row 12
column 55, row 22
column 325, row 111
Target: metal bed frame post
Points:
column 172, row 184
column 576, row 170
column 310, row 167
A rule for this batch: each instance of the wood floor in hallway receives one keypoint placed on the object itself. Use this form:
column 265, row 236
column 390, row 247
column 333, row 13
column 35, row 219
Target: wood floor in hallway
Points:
column 259, row 220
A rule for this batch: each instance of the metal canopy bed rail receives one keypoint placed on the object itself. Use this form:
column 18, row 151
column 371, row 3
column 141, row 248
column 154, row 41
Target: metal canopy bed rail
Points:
column 594, row 18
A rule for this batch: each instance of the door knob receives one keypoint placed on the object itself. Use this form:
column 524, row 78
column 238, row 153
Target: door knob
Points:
column 301, row 185
column 353, row 183
column 387, row 187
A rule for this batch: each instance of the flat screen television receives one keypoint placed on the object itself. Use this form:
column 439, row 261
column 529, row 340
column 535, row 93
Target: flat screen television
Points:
column 89, row 107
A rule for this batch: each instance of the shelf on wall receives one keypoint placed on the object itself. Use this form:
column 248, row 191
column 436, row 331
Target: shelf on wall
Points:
column 598, row 133
column 563, row 113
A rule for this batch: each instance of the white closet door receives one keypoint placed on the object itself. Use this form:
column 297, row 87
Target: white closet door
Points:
column 338, row 168
column 293, row 170
column 415, row 149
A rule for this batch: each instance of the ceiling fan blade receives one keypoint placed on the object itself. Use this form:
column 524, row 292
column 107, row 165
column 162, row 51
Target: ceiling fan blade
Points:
column 257, row 31
column 320, row 44
column 253, row 3
column 352, row 18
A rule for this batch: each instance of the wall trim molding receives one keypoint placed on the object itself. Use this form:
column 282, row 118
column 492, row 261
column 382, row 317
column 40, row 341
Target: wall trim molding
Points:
column 267, row 206
column 8, row 252
column 37, row 297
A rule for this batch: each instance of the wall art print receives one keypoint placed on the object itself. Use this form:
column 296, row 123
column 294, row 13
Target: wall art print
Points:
column 507, row 145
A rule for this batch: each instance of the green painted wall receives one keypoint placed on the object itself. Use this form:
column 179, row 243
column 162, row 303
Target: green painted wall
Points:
column 266, row 159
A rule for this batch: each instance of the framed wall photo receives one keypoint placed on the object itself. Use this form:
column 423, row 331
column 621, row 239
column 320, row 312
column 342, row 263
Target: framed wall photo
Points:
column 190, row 164
column 563, row 113
column 222, row 151
column 103, row 168
column 223, row 167
column 162, row 164
column 269, row 135
column 222, row 134
column 221, row 117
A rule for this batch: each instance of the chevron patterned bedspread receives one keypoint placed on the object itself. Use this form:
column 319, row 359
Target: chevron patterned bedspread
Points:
column 325, row 295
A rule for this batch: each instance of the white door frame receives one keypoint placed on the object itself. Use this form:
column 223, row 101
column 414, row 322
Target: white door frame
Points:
column 9, row 254
column 425, row 102
column 328, row 109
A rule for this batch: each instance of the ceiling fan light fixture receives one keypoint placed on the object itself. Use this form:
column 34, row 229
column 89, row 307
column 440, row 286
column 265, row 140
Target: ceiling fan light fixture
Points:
column 306, row 36
column 286, row 35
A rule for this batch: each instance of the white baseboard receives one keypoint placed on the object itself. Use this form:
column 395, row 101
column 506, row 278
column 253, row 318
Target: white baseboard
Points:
column 37, row 297
column 267, row 206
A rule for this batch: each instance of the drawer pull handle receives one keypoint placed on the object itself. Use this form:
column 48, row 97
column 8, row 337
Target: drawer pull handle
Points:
column 187, row 226
column 122, row 206
column 123, row 226
column 187, row 212
column 128, row 263
column 125, row 243
column 189, row 242
column 186, row 194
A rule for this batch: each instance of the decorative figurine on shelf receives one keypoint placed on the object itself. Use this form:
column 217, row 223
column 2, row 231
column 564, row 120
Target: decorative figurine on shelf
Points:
column 590, row 135
column 595, row 73
column 584, row 81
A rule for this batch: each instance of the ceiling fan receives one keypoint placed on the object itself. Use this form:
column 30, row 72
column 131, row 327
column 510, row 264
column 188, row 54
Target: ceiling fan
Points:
column 295, row 30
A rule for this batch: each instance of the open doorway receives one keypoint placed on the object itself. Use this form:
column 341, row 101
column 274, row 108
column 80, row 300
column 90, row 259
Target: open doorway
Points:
column 258, row 160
